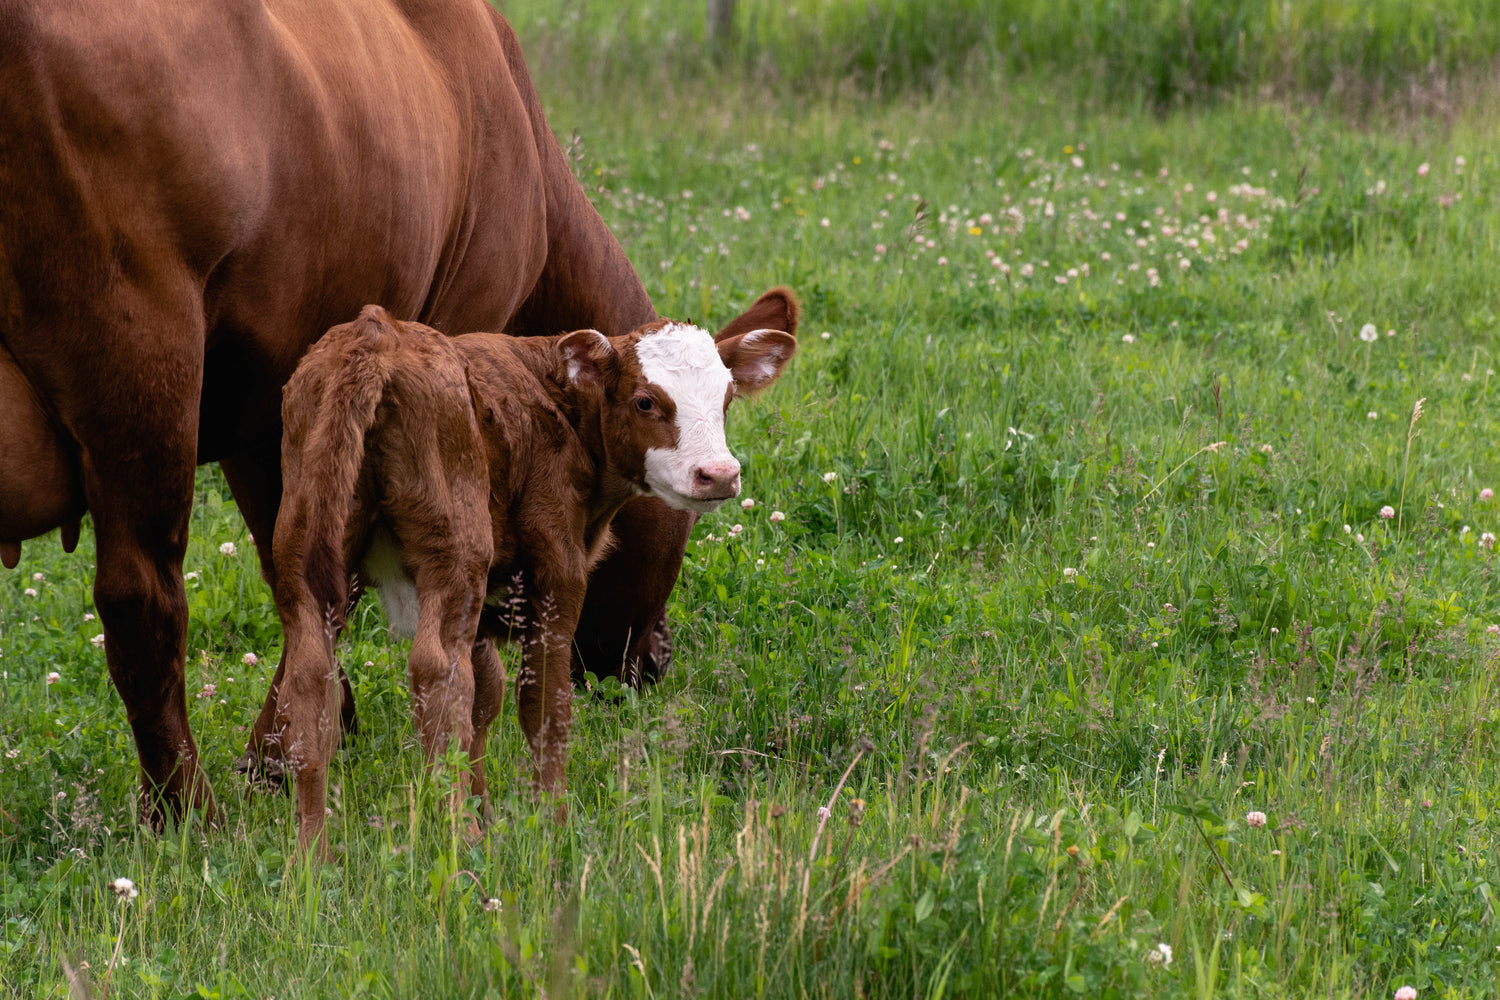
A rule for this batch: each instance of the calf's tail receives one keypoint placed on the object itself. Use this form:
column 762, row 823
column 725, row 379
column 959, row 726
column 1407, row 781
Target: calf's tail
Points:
column 345, row 400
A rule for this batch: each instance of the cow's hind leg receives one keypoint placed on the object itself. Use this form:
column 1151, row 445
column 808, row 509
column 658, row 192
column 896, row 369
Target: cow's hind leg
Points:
column 137, row 460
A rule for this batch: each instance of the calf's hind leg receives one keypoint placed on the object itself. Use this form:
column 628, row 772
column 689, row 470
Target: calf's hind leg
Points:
column 441, row 668
column 305, row 708
column 489, row 699
column 254, row 478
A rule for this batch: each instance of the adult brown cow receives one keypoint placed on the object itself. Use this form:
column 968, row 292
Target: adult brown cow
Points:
column 191, row 192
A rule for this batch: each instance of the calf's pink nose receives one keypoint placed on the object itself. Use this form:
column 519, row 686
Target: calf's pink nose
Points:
column 717, row 480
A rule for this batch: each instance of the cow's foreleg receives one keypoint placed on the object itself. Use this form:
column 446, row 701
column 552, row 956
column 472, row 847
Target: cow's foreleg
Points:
column 254, row 478
column 623, row 632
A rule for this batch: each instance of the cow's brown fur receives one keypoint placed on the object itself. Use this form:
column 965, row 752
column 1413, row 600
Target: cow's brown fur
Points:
column 491, row 470
column 191, row 193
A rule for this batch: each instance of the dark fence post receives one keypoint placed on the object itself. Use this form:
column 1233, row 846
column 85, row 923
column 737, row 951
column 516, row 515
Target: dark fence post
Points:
column 720, row 24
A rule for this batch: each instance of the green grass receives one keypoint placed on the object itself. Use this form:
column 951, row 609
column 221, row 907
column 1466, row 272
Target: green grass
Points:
column 1078, row 597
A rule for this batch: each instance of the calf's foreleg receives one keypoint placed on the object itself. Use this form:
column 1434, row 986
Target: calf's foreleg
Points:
column 544, row 689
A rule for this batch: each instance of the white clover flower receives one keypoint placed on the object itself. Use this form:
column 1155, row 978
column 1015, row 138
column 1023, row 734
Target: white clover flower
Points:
column 1487, row 539
column 29, row 591
column 827, row 335
column 38, row 577
column 124, row 888
column 1422, row 170
column 98, row 640
column 249, row 659
column 88, row 616
column 1069, row 572
column 897, row 540
column 191, row 575
column 1387, row 512
column 228, row 549
column 1129, row 338
column 1372, row 415
column 1255, row 818
column 735, row 529
column 777, row 517
column 54, row 677
column 829, row 477
column 1162, row 954
column 1368, row 333
column 491, row 905
column 1486, row 493
column 1406, row 993
column 747, row 503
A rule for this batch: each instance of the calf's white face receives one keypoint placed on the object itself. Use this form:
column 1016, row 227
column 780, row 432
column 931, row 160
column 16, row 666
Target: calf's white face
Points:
column 680, row 384
column 699, row 473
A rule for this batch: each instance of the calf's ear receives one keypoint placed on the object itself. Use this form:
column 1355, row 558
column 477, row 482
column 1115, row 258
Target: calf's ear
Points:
column 584, row 352
column 775, row 310
column 756, row 359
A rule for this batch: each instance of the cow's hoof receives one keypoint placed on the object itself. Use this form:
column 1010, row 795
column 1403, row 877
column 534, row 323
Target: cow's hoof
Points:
column 656, row 660
column 262, row 774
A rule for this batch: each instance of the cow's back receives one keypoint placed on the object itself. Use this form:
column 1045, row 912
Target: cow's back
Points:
column 286, row 161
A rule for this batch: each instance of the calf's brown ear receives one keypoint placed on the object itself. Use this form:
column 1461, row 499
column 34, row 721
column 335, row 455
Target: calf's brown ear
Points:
column 584, row 351
column 756, row 359
column 777, row 309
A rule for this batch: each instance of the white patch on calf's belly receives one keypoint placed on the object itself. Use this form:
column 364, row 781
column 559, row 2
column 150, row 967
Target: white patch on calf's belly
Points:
column 398, row 592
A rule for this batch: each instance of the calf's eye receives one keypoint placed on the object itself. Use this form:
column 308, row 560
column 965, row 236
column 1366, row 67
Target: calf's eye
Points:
column 644, row 404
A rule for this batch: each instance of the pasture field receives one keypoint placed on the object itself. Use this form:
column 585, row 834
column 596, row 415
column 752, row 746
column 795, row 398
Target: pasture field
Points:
column 1120, row 578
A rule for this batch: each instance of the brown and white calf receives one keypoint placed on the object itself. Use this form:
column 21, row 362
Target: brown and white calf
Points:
column 449, row 470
